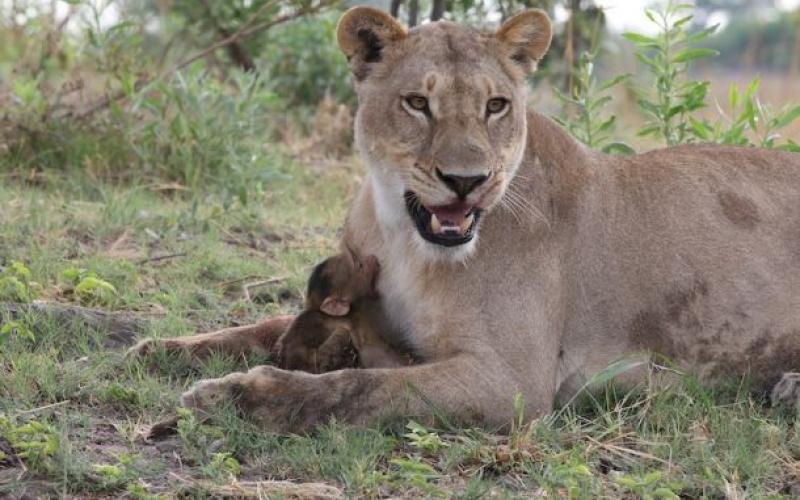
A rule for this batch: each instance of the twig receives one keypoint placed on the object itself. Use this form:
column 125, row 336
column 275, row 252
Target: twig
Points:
column 620, row 450
column 246, row 30
column 261, row 489
column 42, row 408
column 247, row 286
column 236, row 281
column 162, row 257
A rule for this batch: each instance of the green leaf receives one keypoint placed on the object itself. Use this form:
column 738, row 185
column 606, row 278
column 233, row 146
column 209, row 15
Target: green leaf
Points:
column 682, row 21
column 650, row 107
column 790, row 146
column 13, row 289
column 681, row 6
column 606, row 125
column 618, row 148
column 649, row 130
column 692, row 54
column 614, row 81
column 649, row 62
column 598, row 103
column 665, row 493
column 21, row 270
column 733, row 96
column 787, row 118
column 752, row 88
column 17, row 329
column 640, row 39
column 700, row 129
column 95, row 290
column 702, row 34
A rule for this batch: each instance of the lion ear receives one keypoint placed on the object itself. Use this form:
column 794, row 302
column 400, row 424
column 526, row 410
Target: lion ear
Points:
column 527, row 37
column 334, row 306
column 363, row 33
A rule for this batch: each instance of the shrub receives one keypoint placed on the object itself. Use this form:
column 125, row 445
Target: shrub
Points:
column 671, row 106
column 303, row 63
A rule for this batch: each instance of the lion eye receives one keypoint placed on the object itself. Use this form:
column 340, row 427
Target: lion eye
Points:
column 496, row 105
column 417, row 102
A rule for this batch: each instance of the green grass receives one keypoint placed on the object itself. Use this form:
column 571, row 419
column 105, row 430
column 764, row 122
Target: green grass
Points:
column 71, row 408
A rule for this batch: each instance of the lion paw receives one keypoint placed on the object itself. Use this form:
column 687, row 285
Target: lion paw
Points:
column 208, row 393
column 787, row 391
column 142, row 348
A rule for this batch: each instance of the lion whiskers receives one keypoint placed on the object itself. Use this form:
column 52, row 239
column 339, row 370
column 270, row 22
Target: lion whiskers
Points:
column 519, row 206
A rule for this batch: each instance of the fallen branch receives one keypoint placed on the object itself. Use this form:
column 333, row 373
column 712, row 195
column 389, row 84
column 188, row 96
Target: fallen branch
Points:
column 247, row 286
column 121, row 327
column 262, row 489
column 162, row 257
column 42, row 408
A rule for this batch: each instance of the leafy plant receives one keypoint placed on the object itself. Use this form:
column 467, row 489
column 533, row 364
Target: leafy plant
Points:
column 199, row 130
column 119, row 475
column 650, row 486
column 137, row 491
column 36, row 442
column 17, row 329
column 222, row 468
column 304, row 64
column 747, row 122
column 668, row 56
column 414, row 472
column 89, row 287
column 583, row 108
column 573, row 475
column 16, row 284
column 118, row 394
column 196, row 436
column 423, row 439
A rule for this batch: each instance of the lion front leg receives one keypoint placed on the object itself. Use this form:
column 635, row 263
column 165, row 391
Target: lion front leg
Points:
column 237, row 341
column 787, row 391
column 461, row 387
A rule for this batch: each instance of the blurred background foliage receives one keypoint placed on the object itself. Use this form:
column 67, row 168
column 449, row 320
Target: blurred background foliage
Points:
column 191, row 94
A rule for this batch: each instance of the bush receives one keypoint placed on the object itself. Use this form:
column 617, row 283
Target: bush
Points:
column 303, row 62
column 669, row 99
column 198, row 130
column 111, row 100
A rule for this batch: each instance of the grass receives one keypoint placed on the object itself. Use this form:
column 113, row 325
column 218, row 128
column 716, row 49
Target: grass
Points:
column 71, row 406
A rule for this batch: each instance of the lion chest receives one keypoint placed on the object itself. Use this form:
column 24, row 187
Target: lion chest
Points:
column 432, row 309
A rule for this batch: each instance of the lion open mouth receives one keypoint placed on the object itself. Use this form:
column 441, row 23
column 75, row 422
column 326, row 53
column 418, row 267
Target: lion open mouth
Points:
column 446, row 225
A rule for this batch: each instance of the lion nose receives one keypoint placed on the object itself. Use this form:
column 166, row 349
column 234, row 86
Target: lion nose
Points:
column 461, row 185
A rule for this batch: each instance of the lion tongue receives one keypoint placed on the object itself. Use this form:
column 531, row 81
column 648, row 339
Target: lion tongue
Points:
column 450, row 218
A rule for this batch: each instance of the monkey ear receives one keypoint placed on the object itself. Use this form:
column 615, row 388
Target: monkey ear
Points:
column 335, row 306
column 526, row 37
column 363, row 33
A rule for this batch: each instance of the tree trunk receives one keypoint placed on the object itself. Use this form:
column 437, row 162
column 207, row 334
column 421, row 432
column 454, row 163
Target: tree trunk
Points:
column 236, row 52
column 394, row 7
column 413, row 13
column 794, row 69
column 437, row 10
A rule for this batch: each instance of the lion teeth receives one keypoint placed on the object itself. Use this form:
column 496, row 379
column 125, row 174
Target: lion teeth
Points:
column 467, row 223
column 436, row 226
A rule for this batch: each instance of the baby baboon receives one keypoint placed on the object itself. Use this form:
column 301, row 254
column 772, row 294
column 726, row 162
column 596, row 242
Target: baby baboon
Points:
column 342, row 322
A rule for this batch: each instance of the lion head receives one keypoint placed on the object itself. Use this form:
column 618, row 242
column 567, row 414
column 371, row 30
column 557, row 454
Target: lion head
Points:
column 441, row 119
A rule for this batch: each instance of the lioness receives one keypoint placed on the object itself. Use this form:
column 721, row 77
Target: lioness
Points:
column 514, row 260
